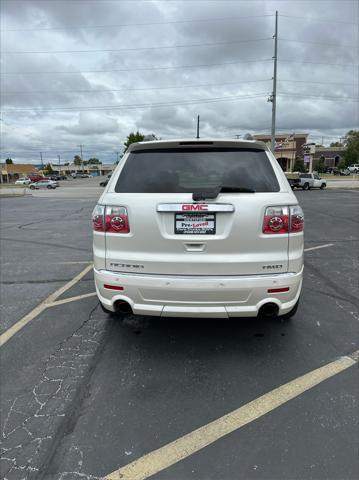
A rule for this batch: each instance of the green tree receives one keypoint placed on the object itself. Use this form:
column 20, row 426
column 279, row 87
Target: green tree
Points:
column 351, row 143
column 9, row 161
column 320, row 165
column 133, row 138
column 93, row 161
column 77, row 160
column 48, row 169
column 299, row 166
column 336, row 144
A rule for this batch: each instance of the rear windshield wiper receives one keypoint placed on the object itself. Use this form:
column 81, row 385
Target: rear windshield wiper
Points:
column 213, row 193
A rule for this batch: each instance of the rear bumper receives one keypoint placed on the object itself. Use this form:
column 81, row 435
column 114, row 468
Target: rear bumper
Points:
column 197, row 296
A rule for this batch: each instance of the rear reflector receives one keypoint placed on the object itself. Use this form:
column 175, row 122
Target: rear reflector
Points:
column 113, row 287
column 278, row 290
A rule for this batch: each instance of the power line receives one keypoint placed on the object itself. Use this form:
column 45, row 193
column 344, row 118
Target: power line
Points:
column 323, row 97
column 118, row 25
column 140, row 105
column 137, row 89
column 193, row 45
column 318, row 63
column 311, row 81
column 177, row 103
column 319, row 20
column 193, row 85
column 140, row 68
column 313, row 43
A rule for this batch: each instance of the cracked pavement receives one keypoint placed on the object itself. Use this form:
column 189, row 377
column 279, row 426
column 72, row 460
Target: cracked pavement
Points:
column 84, row 393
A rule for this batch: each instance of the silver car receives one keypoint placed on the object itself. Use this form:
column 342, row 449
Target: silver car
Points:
column 49, row 184
column 199, row 228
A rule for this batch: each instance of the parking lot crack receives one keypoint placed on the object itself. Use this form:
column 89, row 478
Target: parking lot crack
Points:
column 38, row 420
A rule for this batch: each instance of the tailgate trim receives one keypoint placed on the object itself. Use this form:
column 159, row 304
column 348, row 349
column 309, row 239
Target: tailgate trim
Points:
column 195, row 207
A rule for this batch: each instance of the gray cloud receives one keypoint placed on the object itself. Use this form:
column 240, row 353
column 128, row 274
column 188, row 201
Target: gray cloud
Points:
column 99, row 105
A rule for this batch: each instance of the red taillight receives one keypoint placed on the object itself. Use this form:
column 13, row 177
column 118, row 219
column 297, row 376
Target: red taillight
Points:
column 116, row 220
column 110, row 219
column 112, row 287
column 275, row 220
column 283, row 220
column 296, row 219
column 278, row 290
column 98, row 214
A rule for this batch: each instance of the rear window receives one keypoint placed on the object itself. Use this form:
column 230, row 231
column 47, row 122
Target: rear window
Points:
column 306, row 175
column 185, row 169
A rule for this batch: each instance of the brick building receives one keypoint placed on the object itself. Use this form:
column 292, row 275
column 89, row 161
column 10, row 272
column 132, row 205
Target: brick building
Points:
column 288, row 147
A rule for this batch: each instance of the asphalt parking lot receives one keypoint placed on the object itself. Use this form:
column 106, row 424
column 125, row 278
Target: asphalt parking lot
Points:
column 85, row 394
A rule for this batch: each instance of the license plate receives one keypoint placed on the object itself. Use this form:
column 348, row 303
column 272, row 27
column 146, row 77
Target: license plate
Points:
column 195, row 223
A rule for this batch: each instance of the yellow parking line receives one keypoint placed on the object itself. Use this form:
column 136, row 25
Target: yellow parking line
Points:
column 5, row 337
column 196, row 440
column 71, row 299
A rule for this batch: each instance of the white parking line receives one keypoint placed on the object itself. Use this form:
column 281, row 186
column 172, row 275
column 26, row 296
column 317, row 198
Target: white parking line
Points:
column 162, row 458
column 5, row 337
column 319, row 246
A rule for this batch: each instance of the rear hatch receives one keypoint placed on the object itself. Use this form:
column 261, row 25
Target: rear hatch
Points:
column 182, row 224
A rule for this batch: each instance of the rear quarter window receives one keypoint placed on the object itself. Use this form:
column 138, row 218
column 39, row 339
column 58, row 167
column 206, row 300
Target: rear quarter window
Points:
column 185, row 169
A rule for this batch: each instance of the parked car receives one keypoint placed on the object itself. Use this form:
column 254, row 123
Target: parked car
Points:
column 76, row 175
column 23, row 181
column 104, row 182
column 55, row 177
column 50, row 184
column 86, row 175
column 307, row 181
column 36, row 177
column 354, row 168
column 198, row 228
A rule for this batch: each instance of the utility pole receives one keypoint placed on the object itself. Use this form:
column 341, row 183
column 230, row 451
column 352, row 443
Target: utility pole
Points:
column 58, row 156
column 82, row 162
column 273, row 97
column 197, row 126
column 117, row 153
column 42, row 163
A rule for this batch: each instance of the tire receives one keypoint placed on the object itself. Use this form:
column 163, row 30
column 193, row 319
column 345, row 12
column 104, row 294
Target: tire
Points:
column 322, row 186
column 290, row 314
column 49, row 187
column 306, row 186
column 32, row 187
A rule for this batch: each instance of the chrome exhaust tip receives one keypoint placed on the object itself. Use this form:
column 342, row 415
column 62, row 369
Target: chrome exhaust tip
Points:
column 121, row 306
column 268, row 310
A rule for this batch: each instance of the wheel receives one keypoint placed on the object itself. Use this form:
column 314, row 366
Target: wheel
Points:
column 49, row 187
column 322, row 186
column 290, row 314
column 306, row 186
column 32, row 187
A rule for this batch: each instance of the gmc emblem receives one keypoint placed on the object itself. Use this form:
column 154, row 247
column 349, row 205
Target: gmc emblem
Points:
column 194, row 207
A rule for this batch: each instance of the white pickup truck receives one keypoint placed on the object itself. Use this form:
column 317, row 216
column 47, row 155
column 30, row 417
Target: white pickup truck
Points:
column 306, row 181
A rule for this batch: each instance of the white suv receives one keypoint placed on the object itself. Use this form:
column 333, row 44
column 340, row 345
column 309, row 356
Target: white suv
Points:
column 198, row 228
column 354, row 168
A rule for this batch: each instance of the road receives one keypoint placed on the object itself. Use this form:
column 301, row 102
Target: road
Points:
column 84, row 394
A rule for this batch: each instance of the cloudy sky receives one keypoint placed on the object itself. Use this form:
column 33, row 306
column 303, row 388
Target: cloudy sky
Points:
column 91, row 71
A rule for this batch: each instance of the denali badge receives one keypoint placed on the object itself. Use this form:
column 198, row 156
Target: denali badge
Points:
column 126, row 265
column 271, row 267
